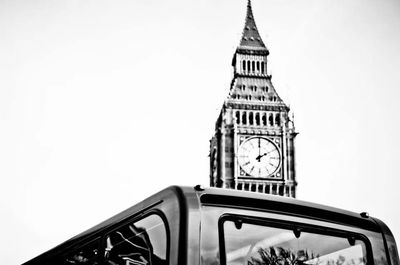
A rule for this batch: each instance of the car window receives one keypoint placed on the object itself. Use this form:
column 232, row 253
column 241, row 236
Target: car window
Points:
column 262, row 244
column 140, row 243
column 87, row 254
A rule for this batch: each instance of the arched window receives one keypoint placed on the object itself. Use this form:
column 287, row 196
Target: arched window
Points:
column 262, row 67
column 257, row 118
column 248, row 66
column 251, row 118
column 278, row 120
column 244, row 118
column 244, row 65
column 264, row 119
column 258, row 66
column 237, row 117
column 253, row 66
column 271, row 119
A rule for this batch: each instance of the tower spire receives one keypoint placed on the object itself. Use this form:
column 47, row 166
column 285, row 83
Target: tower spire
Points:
column 250, row 37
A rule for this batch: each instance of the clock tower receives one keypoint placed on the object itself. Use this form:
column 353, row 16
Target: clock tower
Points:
column 253, row 144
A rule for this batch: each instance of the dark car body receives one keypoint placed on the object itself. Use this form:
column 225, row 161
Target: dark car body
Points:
column 194, row 221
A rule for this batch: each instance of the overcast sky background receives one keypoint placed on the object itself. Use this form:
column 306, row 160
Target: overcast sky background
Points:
column 103, row 103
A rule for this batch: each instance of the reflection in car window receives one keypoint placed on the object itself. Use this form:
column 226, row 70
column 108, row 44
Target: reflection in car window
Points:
column 87, row 255
column 254, row 244
column 140, row 243
column 393, row 250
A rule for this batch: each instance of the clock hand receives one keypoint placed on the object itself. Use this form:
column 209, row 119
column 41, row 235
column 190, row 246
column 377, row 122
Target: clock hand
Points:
column 260, row 156
column 269, row 152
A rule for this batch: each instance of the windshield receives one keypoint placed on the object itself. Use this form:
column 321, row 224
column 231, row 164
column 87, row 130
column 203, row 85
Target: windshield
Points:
column 254, row 242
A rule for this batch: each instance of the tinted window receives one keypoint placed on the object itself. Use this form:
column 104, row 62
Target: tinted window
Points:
column 142, row 242
column 88, row 255
column 393, row 250
column 259, row 244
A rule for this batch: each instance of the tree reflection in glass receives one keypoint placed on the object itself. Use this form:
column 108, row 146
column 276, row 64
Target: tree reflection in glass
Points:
column 255, row 244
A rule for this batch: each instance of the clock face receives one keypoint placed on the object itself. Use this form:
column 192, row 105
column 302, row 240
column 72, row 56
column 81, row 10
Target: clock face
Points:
column 259, row 157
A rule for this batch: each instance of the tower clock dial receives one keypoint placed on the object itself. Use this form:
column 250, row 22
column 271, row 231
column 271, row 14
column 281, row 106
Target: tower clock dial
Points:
column 259, row 157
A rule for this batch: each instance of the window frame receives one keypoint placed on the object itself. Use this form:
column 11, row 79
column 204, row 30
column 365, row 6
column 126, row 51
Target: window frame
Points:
column 288, row 225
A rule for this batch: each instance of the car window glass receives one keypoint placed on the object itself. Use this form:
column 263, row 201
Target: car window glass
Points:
column 254, row 244
column 87, row 254
column 392, row 250
column 140, row 243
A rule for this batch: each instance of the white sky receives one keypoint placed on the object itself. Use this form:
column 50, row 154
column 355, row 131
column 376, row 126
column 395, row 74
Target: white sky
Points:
column 103, row 103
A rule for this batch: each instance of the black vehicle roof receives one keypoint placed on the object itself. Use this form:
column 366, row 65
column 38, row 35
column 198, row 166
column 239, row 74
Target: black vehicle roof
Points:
column 246, row 199
column 290, row 206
